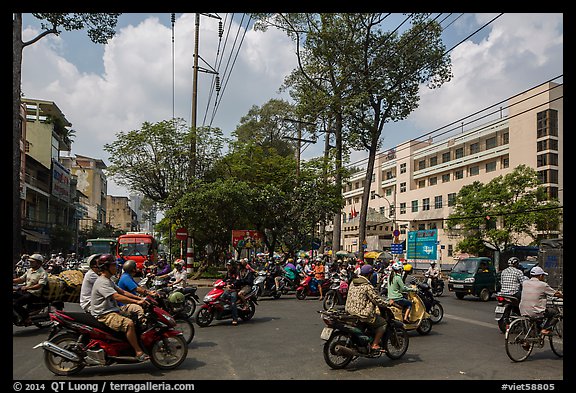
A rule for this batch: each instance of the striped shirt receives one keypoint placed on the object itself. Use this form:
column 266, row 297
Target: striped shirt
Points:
column 534, row 293
column 511, row 280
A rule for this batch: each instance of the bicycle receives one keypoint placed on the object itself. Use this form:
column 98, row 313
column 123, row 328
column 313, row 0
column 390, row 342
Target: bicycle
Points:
column 523, row 335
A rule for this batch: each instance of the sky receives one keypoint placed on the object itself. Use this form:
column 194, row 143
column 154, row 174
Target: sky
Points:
column 144, row 74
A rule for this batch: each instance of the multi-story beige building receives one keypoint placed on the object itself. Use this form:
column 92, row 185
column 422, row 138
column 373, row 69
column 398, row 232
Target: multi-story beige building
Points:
column 414, row 185
column 120, row 214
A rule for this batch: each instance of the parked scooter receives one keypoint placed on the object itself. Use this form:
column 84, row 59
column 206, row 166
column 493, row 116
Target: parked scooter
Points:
column 419, row 317
column 309, row 287
column 507, row 308
column 38, row 311
column 215, row 307
column 337, row 293
column 348, row 339
column 77, row 340
column 266, row 286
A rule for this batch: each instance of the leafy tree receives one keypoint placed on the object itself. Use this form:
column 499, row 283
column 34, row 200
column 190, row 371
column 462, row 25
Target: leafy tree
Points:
column 502, row 212
column 100, row 28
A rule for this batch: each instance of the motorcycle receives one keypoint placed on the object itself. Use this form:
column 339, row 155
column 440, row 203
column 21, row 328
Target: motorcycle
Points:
column 38, row 311
column 433, row 306
column 437, row 285
column 419, row 318
column 215, row 307
column 347, row 338
column 287, row 285
column 78, row 340
column 507, row 308
column 309, row 287
column 179, row 306
column 266, row 286
column 337, row 293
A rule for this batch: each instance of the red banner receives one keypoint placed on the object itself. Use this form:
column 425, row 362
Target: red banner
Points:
column 243, row 238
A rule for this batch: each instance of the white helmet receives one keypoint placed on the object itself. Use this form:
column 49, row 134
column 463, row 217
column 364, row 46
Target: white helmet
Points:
column 397, row 266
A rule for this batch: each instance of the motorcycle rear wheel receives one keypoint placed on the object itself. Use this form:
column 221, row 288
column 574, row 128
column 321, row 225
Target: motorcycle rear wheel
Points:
column 247, row 315
column 186, row 327
column 396, row 342
column 330, row 300
column 436, row 313
column 425, row 327
column 169, row 353
column 301, row 294
column 59, row 365
column 439, row 290
column 332, row 359
column 189, row 307
column 204, row 317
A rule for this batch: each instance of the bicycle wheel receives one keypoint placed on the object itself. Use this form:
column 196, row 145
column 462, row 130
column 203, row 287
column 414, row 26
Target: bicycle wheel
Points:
column 557, row 338
column 518, row 344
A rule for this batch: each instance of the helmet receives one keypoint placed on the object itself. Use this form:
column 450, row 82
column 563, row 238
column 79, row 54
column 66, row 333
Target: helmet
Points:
column 93, row 260
column 105, row 260
column 513, row 261
column 366, row 269
column 290, row 260
column 161, row 261
column 432, row 263
column 176, row 297
column 129, row 266
column 37, row 257
column 397, row 266
column 179, row 264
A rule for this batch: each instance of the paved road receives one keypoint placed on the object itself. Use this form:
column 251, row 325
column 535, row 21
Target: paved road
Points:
column 282, row 342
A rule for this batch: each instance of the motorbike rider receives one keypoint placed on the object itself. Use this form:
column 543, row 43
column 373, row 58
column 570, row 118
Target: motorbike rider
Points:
column 244, row 281
column 22, row 265
column 230, row 292
column 88, row 282
column 276, row 272
column 35, row 279
column 104, row 304
column 127, row 282
column 432, row 274
column 363, row 300
column 178, row 273
column 397, row 288
column 162, row 267
column 511, row 279
column 320, row 276
column 534, row 294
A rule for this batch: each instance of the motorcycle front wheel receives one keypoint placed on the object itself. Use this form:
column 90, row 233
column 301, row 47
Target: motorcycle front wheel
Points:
column 396, row 342
column 333, row 359
column 59, row 365
column 189, row 307
column 187, row 328
column 436, row 313
column 330, row 300
column 204, row 317
column 169, row 353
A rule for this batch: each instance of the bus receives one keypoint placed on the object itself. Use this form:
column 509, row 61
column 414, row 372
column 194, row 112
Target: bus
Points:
column 101, row 245
column 139, row 247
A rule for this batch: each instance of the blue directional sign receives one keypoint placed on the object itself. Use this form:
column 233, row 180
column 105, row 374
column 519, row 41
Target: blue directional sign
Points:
column 422, row 244
column 396, row 248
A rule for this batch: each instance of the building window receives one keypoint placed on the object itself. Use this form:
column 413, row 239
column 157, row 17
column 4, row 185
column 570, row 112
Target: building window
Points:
column 505, row 138
column 421, row 183
column 450, row 250
column 421, row 164
column 372, row 194
column 433, row 181
column 547, row 144
column 547, row 159
column 403, row 208
column 491, row 166
column 432, row 225
column 445, row 178
column 459, row 174
column 403, row 187
column 547, row 123
column 426, row 204
column 389, row 175
column 491, row 143
column 505, row 162
column 382, row 210
column 414, row 206
column 445, row 157
column 388, row 191
column 548, row 176
column 438, row 202
column 433, row 161
column 473, row 170
column 474, row 148
column 451, row 199
column 459, row 152
column 403, row 168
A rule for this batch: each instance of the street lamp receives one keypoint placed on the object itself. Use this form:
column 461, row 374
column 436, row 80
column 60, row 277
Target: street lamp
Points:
column 393, row 214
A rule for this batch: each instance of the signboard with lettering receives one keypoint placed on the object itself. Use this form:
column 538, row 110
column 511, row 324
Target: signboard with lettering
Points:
column 422, row 245
column 247, row 239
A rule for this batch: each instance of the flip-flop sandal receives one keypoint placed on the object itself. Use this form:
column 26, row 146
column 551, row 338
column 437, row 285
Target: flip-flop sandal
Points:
column 143, row 357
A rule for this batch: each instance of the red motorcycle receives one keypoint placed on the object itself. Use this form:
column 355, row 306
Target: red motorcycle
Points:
column 215, row 307
column 309, row 287
column 77, row 340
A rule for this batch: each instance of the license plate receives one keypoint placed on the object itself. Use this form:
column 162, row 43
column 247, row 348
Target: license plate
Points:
column 458, row 285
column 326, row 332
column 499, row 310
